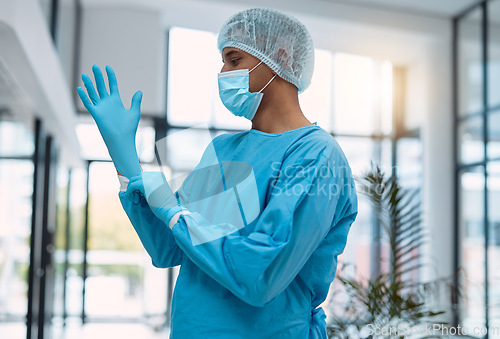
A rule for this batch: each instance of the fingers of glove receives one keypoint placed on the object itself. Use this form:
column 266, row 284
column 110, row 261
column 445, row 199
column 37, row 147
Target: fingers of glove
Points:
column 136, row 101
column 113, row 84
column 99, row 81
column 85, row 100
column 90, row 88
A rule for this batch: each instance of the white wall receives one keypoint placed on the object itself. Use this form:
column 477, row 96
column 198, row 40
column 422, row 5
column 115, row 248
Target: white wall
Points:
column 133, row 42
column 437, row 137
column 65, row 39
column 32, row 65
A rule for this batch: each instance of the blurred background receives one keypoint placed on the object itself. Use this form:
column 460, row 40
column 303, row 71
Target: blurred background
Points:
column 412, row 85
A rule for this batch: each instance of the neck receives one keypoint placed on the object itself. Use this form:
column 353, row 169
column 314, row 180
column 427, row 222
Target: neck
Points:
column 279, row 111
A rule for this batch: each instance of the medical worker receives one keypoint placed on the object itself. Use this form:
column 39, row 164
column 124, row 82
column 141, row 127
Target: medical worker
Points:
column 258, row 225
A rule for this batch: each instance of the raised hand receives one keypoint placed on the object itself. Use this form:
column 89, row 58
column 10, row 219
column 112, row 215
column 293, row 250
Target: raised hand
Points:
column 117, row 125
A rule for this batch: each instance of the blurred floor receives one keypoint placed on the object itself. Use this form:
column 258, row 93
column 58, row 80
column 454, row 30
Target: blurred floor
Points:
column 74, row 330
column 12, row 330
column 107, row 330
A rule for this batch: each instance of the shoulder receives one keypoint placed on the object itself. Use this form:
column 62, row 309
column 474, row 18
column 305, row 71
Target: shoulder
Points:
column 228, row 138
column 320, row 145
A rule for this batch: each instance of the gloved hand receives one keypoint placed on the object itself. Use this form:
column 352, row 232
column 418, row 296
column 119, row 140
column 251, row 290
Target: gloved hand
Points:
column 117, row 125
column 159, row 196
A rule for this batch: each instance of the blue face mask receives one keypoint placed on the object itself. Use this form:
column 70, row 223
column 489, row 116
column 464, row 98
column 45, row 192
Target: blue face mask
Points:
column 234, row 93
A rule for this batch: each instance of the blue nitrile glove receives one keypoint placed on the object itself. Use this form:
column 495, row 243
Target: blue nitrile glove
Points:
column 116, row 124
column 155, row 188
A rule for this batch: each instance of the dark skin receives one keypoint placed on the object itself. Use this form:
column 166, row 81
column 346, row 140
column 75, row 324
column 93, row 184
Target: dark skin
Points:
column 279, row 110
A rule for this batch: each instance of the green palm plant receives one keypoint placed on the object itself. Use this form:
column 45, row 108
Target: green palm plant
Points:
column 390, row 300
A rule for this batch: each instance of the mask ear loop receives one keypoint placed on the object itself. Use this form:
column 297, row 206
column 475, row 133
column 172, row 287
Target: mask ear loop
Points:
column 255, row 67
column 268, row 83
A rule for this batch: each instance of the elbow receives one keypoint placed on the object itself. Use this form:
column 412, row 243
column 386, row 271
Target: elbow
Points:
column 259, row 301
column 167, row 260
column 259, row 297
column 156, row 259
column 158, row 264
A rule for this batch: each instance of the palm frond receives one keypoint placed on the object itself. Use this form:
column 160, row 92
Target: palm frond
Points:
column 387, row 298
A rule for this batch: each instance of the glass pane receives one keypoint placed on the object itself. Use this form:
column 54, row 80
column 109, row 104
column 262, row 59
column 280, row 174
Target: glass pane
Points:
column 190, row 94
column 385, row 155
column 91, row 143
column 358, row 252
column 74, row 283
column 409, row 169
column 315, row 102
column 470, row 140
column 60, row 240
column 471, row 219
column 118, row 264
column 386, row 97
column 207, row 107
column 409, row 157
column 359, row 153
column 470, row 88
column 145, row 142
column 494, row 242
column 93, row 146
column 16, row 181
column 493, row 53
column 16, row 193
column 15, row 139
column 185, row 148
column 494, row 135
column 353, row 98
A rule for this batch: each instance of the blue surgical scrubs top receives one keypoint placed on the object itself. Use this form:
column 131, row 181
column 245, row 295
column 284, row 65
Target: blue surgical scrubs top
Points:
column 264, row 280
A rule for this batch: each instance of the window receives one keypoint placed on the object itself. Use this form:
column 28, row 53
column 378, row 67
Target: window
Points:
column 477, row 162
column 350, row 96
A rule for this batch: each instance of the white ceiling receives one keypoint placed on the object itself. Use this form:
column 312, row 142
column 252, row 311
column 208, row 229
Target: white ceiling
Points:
column 441, row 8
column 444, row 9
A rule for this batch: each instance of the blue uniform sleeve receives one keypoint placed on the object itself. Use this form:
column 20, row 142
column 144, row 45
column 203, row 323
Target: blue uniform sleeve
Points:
column 309, row 198
column 156, row 237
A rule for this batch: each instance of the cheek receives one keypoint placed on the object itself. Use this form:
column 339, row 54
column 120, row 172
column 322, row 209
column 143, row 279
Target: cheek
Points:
column 258, row 81
column 255, row 81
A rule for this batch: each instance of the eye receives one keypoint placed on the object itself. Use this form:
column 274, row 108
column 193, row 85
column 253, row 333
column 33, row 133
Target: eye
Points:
column 234, row 62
